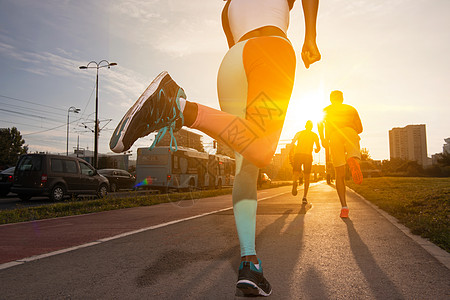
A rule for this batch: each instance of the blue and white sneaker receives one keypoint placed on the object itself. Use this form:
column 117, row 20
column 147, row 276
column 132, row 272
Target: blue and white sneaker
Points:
column 251, row 281
column 158, row 108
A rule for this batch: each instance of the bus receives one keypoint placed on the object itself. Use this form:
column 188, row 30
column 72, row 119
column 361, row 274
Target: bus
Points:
column 185, row 169
column 226, row 169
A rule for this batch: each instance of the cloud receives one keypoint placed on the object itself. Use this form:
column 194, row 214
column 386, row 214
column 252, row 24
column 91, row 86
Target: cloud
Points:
column 44, row 63
column 122, row 82
column 362, row 7
column 137, row 10
column 191, row 36
column 170, row 27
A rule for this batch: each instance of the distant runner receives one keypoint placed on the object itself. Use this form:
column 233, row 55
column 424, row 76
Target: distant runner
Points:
column 342, row 126
column 303, row 156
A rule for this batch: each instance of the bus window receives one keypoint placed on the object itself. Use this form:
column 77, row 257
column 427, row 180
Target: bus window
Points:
column 176, row 164
column 183, row 165
column 152, row 159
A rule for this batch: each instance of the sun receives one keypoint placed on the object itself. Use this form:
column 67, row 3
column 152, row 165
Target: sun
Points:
column 308, row 106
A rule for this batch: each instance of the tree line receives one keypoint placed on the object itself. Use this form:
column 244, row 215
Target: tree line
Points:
column 12, row 145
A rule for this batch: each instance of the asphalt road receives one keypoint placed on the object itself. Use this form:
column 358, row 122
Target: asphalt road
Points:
column 308, row 252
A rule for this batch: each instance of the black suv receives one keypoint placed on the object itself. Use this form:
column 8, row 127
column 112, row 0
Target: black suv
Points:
column 56, row 176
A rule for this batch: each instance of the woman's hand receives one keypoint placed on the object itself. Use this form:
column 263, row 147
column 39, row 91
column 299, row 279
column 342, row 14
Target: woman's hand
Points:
column 310, row 52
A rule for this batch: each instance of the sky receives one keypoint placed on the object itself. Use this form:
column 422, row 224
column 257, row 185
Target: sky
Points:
column 389, row 58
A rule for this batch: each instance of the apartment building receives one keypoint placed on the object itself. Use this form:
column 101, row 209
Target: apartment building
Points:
column 409, row 143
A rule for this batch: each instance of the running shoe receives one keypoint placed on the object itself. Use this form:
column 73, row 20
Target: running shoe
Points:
column 353, row 164
column 158, row 108
column 344, row 212
column 304, row 200
column 294, row 188
column 251, row 281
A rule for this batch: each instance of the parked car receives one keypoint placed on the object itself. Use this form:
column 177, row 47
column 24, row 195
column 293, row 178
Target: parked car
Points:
column 264, row 179
column 6, row 181
column 118, row 179
column 56, row 176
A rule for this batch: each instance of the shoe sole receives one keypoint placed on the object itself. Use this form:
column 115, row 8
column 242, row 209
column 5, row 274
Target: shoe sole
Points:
column 249, row 288
column 344, row 214
column 356, row 171
column 116, row 143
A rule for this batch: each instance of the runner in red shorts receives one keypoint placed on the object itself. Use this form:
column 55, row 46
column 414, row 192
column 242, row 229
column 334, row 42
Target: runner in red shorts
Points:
column 342, row 127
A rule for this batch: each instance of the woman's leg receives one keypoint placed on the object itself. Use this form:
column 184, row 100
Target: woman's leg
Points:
column 245, row 82
column 233, row 90
column 255, row 127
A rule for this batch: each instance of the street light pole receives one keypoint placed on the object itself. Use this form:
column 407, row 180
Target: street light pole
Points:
column 74, row 110
column 97, row 66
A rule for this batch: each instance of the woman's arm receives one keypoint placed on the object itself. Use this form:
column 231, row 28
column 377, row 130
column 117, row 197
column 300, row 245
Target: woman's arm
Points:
column 310, row 51
column 226, row 25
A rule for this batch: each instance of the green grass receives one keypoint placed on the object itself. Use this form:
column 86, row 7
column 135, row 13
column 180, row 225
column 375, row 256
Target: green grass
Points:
column 83, row 206
column 421, row 204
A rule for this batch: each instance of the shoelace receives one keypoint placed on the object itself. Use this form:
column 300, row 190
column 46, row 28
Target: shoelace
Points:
column 170, row 121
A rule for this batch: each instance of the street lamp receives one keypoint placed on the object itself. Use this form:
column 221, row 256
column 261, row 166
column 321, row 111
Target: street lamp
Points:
column 101, row 64
column 74, row 110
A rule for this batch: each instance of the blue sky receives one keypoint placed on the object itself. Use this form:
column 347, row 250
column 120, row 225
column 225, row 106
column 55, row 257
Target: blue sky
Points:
column 390, row 58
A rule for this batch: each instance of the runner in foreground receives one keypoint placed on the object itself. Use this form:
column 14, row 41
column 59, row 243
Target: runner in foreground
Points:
column 255, row 82
column 303, row 156
column 342, row 127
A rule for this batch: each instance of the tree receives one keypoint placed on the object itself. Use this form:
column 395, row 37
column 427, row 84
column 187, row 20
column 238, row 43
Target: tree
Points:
column 11, row 146
column 365, row 154
column 401, row 167
column 444, row 159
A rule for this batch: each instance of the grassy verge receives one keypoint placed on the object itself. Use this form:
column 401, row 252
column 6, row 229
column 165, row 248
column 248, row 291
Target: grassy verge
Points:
column 82, row 206
column 421, row 204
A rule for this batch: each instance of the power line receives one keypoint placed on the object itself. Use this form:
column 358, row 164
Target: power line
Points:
column 89, row 101
column 39, row 104
column 50, row 129
column 19, row 123
column 32, row 109
column 14, row 115
column 30, row 115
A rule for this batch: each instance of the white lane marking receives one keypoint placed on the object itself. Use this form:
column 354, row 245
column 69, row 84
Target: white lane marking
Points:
column 36, row 257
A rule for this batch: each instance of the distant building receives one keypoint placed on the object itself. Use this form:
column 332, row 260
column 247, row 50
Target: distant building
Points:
column 446, row 146
column 184, row 138
column 445, row 149
column 409, row 143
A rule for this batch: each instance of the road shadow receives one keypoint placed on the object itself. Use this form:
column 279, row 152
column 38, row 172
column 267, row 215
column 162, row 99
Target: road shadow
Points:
column 381, row 285
column 313, row 285
column 282, row 234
